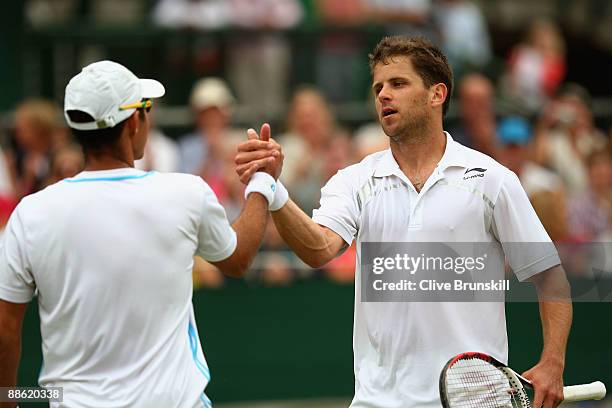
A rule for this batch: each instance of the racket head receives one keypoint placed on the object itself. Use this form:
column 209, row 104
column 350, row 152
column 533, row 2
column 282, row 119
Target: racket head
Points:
column 476, row 379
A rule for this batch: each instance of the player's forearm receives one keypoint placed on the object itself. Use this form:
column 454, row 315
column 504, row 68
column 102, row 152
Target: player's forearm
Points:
column 555, row 312
column 11, row 322
column 556, row 323
column 250, row 227
column 304, row 236
column 10, row 350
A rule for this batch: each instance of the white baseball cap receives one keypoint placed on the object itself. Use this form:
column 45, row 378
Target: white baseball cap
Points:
column 211, row 92
column 108, row 92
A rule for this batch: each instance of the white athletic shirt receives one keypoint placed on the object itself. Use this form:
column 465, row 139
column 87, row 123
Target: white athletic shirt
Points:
column 400, row 348
column 109, row 254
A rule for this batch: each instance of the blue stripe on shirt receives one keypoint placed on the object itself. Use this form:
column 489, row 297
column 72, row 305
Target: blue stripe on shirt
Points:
column 194, row 351
column 110, row 178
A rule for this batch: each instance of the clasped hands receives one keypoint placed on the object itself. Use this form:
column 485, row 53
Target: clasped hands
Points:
column 258, row 153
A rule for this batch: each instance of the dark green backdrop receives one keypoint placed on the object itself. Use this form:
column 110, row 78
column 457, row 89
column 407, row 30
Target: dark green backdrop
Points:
column 295, row 342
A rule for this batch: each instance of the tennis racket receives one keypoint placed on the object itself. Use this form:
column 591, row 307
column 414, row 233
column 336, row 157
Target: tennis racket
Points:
column 478, row 380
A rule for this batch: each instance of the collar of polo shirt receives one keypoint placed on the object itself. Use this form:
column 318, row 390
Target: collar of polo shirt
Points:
column 452, row 157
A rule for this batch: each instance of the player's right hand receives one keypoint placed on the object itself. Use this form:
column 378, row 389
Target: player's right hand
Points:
column 258, row 153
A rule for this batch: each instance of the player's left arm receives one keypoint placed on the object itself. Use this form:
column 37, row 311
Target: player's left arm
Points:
column 556, row 315
column 532, row 256
column 11, row 321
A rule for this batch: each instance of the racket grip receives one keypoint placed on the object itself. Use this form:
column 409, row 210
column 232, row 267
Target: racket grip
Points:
column 593, row 391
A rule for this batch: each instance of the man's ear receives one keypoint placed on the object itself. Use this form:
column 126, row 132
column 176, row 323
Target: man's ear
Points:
column 438, row 94
column 133, row 124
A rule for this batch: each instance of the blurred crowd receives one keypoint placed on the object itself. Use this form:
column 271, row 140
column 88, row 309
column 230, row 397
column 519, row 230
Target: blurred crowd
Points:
column 549, row 138
column 258, row 64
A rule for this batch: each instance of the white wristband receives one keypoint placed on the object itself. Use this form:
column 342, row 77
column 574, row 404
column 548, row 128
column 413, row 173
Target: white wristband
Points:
column 280, row 197
column 261, row 183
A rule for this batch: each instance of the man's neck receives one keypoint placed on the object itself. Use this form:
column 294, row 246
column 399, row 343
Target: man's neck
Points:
column 422, row 152
column 120, row 155
column 106, row 162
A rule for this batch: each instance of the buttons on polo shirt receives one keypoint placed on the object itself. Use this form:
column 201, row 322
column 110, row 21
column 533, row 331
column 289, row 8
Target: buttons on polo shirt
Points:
column 416, row 215
column 417, row 199
column 415, row 206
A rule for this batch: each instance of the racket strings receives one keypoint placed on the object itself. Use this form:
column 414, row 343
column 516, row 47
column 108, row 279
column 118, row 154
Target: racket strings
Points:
column 474, row 383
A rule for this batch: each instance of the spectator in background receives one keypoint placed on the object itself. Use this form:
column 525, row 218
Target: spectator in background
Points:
column 339, row 69
column 514, row 136
column 544, row 188
column 7, row 196
column 340, row 73
column 65, row 161
column 208, row 152
column 202, row 14
column 464, row 33
column 276, row 264
column 369, row 138
column 566, row 135
column 536, row 67
column 161, row 152
column 310, row 127
column 37, row 126
column 590, row 213
column 342, row 13
column 404, row 17
column 476, row 128
column 551, row 208
column 205, row 152
column 206, row 275
column 259, row 62
column 203, row 56
column 6, row 183
column 338, row 154
column 7, row 205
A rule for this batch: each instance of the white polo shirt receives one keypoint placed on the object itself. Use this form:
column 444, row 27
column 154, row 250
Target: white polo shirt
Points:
column 110, row 255
column 401, row 347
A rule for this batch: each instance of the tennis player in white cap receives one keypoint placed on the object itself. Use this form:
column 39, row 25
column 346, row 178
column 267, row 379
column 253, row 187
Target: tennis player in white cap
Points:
column 109, row 253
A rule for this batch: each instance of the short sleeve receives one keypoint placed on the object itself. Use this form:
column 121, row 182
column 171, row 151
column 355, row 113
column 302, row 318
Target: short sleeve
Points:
column 16, row 280
column 216, row 237
column 527, row 246
column 338, row 210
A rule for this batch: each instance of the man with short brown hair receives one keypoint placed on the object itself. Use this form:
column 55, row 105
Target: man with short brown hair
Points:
column 426, row 188
column 427, row 60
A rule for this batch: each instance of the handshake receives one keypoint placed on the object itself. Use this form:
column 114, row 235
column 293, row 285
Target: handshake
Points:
column 259, row 161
